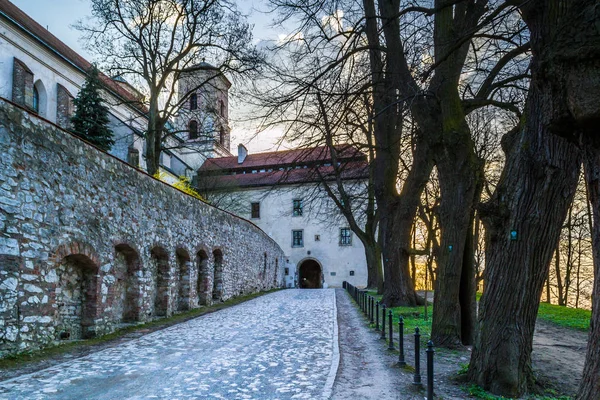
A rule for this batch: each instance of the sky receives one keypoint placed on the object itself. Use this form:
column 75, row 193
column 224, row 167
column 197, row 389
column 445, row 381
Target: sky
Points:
column 59, row 16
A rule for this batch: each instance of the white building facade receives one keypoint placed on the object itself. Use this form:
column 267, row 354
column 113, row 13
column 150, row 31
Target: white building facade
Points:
column 42, row 74
column 279, row 192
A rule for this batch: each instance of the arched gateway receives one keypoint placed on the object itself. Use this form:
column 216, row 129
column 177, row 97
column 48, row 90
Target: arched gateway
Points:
column 310, row 274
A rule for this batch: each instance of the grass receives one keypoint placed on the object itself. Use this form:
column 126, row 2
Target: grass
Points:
column 478, row 393
column 567, row 317
column 20, row 359
column 574, row 318
column 413, row 317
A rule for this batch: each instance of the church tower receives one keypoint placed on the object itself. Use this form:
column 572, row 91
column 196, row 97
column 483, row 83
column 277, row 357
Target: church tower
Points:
column 204, row 115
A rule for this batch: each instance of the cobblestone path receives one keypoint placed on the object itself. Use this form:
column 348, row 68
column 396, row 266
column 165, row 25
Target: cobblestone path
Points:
column 278, row 346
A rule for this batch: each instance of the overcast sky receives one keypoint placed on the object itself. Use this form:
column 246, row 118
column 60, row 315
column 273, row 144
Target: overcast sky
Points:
column 58, row 16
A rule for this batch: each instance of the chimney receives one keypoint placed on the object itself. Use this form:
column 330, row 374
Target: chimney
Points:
column 242, row 153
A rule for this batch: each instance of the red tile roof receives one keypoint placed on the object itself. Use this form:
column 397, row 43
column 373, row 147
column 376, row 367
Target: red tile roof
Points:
column 282, row 168
column 44, row 36
column 277, row 159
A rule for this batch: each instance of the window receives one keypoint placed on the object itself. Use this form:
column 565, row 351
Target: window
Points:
column 332, row 273
column 36, row 100
column 194, row 101
column 345, row 237
column 298, row 238
column 351, row 273
column 286, row 271
column 297, row 208
column 193, row 130
column 317, row 238
column 255, row 207
column 222, row 137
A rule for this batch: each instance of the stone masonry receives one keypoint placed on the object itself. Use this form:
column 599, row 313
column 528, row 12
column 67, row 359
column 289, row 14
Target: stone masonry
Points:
column 88, row 243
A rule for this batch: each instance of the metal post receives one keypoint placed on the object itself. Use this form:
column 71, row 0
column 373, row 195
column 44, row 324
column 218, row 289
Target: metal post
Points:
column 377, row 315
column 383, row 323
column 401, row 360
column 417, row 377
column 390, row 317
column 430, row 353
column 362, row 300
column 372, row 304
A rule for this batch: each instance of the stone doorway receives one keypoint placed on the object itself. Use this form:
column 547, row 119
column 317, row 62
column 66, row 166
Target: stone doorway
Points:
column 310, row 275
column 76, row 297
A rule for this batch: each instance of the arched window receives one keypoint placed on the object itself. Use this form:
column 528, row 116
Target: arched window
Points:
column 222, row 108
column 193, row 101
column 36, row 100
column 193, row 130
column 222, row 137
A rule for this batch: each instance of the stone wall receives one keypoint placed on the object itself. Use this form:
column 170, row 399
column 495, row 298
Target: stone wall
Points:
column 88, row 243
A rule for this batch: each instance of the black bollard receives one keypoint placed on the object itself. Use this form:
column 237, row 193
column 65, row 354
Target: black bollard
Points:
column 417, row 377
column 377, row 315
column 372, row 305
column 364, row 297
column 430, row 352
column 401, row 360
column 383, row 323
column 391, row 333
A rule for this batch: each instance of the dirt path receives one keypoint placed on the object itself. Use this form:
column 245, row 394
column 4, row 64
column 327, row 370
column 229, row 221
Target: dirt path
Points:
column 365, row 370
column 369, row 371
column 558, row 356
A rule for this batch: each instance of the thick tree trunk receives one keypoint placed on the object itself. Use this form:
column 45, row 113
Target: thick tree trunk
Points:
column 397, row 233
column 454, row 299
column 589, row 388
column 374, row 265
column 536, row 188
column 532, row 199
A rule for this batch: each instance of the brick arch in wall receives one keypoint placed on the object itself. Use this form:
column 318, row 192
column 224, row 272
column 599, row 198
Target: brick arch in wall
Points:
column 76, row 294
column 204, row 282
column 161, row 278
column 183, row 276
column 218, row 272
column 126, row 292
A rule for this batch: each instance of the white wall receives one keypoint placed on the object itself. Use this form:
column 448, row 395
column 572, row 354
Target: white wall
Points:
column 318, row 219
column 51, row 69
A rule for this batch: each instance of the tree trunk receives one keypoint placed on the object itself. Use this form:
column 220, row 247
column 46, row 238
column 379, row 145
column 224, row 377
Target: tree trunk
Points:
column 153, row 140
column 374, row 265
column 399, row 288
column 559, row 284
column 532, row 198
column 536, row 188
column 589, row 388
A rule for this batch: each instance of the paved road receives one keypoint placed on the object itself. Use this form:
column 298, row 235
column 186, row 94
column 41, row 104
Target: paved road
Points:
column 279, row 346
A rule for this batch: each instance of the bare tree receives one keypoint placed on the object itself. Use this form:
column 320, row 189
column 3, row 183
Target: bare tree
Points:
column 155, row 43
column 524, row 217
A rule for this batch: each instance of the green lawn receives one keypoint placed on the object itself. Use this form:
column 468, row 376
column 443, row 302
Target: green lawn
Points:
column 413, row 317
column 574, row 318
column 568, row 317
